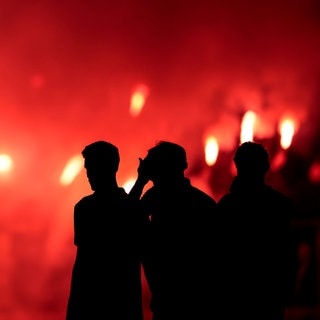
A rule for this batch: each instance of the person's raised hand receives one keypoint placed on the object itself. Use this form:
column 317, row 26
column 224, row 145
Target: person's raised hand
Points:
column 143, row 171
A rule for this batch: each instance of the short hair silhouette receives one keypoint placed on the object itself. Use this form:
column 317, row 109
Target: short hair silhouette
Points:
column 168, row 155
column 106, row 274
column 252, row 158
column 175, row 209
column 102, row 153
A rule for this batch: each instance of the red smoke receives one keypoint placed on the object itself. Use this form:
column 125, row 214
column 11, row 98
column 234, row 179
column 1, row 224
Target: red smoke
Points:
column 68, row 70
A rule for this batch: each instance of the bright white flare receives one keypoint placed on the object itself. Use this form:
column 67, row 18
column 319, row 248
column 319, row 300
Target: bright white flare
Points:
column 247, row 126
column 71, row 170
column 6, row 163
column 286, row 130
column 211, row 150
column 138, row 99
column 127, row 186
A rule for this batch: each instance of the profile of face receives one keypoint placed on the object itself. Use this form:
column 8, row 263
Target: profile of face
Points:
column 152, row 167
column 97, row 174
column 101, row 161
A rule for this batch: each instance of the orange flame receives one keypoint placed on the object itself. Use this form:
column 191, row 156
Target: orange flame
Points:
column 211, row 150
column 138, row 99
column 247, row 126
column 286, row 130
column 71, row 170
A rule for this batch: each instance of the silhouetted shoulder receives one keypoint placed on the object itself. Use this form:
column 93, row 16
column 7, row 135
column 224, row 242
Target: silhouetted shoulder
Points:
column 198, row 194
column 190, row 194
column 266, row 197
column 118, row 194
column 275, row 200
column 224, row 200
column 87, row 200
column 279, row 197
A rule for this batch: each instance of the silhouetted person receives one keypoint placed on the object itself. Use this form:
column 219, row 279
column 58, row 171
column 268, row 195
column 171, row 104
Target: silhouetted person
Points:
column 255, row 241
column 106, row 281
column 178, row 270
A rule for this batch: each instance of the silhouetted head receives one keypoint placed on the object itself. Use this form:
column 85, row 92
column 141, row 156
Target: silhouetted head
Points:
column 251, row 160
column 166, row 161
column 101, row 161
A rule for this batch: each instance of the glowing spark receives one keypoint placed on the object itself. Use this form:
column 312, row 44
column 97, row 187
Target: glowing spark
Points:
column 314, row 172
column 5, row 163
column 247, row 125
column 286, row 130
column 278, row 161
column 138, row 99
column 71, row 170
column 211, row 150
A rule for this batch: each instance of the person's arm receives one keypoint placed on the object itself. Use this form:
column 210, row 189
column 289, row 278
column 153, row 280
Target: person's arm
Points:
column 142, row 179
column 138, row 203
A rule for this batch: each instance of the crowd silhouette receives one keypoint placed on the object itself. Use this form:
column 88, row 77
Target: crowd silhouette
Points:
column 202, row 258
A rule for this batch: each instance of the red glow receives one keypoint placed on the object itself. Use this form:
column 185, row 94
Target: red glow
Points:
column 69, row 72
column 278, row 161
column 314, row 172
